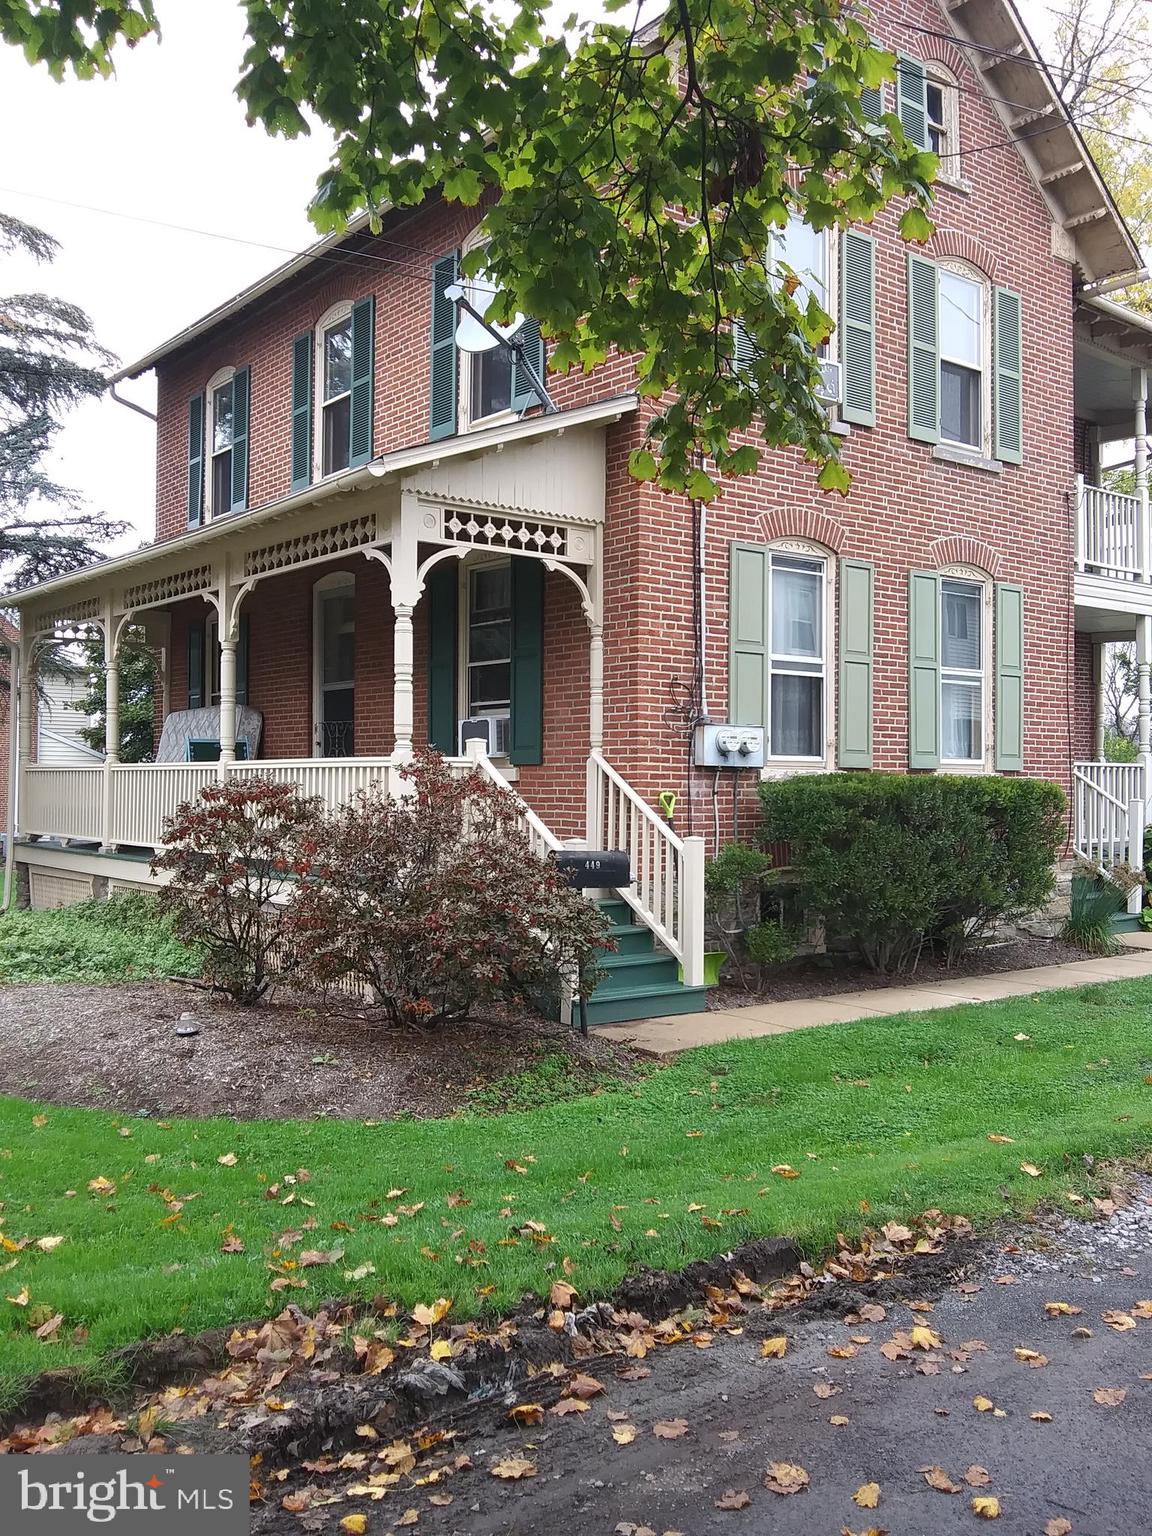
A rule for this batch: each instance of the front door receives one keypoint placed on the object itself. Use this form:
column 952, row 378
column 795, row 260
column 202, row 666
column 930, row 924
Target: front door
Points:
column 335, row 665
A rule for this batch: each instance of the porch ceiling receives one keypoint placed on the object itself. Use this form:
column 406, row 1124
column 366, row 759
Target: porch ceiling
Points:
column 1110, row 342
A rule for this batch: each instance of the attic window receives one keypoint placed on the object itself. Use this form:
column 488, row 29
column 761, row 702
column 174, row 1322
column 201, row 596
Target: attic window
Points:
column 941, row 99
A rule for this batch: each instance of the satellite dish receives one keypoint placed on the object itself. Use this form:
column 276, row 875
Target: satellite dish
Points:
column 471, row 334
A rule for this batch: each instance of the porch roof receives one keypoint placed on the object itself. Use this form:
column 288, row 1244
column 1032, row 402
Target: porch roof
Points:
column 1110, row 341
column 214, row 536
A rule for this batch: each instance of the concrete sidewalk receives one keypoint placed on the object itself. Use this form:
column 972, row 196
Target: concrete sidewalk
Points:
column 666, row 1036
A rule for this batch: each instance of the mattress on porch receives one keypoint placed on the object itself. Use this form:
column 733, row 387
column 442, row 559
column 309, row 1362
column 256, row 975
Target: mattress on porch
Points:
column 186, row 725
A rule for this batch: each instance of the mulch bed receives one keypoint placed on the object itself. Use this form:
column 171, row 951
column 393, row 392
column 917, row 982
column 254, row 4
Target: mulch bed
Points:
column 115, row 1048
column 826, row 975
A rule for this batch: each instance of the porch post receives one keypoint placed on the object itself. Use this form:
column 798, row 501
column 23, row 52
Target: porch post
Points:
column 227, row 700
column 1140, row 460
column 24, row 701
column 403, row 696
column 1144, row 693
column 596, row 688
column 1098, row 678
column 111, row 725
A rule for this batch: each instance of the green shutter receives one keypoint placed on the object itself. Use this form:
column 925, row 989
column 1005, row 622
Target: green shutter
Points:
column 241, row 399
column 854, row 712
column 526, row 729
column 523, row 394
column 923, row 669
column 858, row 328
column 442, row 597
column 872, row 102
column 196, row 461
column 748, row 634
column 363, row 354
column 912, row 99
column 923, row 350
column 1009, row 677
column 242, row 661
column 1007, row 374
column 195, row 666
column 442, row 415
column 302, row 412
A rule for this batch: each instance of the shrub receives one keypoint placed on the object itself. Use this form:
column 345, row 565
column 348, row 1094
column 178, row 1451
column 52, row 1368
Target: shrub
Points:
column 734, row 885
column 228, row 853
column 894, row 862
column 1094, row 902
column 122, row 939
column 436, row 902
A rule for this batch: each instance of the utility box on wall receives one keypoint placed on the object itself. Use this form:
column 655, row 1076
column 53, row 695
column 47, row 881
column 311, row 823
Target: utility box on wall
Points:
column 729, row 746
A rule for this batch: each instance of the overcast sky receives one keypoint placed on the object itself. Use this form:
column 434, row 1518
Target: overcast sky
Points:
column 164, row 140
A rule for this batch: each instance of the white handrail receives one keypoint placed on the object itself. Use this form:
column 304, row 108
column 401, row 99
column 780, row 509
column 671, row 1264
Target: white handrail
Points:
column 1109, row 813
column 667, row 892
column 543, row 840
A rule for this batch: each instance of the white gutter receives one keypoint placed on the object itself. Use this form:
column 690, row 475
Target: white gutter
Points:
column 1130, row 317
column 387, row 466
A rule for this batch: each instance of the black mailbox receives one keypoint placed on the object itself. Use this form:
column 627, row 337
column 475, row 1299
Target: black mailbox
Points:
column 588, row 868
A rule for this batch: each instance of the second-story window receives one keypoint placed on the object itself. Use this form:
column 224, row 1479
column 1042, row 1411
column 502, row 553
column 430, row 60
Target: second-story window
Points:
column 336, row 402
column 223, row 445
column 962, row 325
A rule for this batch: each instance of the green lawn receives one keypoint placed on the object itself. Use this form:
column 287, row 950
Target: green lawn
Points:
column 896, row 1113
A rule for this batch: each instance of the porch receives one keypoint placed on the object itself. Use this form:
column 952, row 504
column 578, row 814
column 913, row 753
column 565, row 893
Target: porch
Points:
column 319, row 641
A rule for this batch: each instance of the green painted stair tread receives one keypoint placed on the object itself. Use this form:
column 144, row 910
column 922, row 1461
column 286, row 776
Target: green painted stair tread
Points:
column 646, row 1003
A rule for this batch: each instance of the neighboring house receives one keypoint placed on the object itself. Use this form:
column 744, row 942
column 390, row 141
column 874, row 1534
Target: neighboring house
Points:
column 367, row 536
column 59, row 724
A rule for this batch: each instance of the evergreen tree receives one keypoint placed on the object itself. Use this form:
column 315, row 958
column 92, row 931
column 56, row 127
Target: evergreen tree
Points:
column 49, row 361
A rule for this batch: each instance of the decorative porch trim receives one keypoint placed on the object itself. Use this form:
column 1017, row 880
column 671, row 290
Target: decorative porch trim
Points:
column 71, row 618
column 354, row 533
column 167, row 589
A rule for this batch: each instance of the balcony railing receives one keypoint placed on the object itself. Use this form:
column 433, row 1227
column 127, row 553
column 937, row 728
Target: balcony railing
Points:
column 1111, row 534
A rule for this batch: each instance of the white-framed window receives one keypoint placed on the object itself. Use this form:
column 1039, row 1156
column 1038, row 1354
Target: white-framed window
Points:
column 333, row 390
column 487, row 641
column 942, row 110
column 798, row 657
column 220, row 432
column 811, row 254
column 334, row 665
column 485, row 378
column 964, row 648
column 965, row 357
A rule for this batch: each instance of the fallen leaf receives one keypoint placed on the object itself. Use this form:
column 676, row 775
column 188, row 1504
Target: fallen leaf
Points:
column 1120, row 1321
column 101, row 1186
column 775, row 1348
column 924, row 1338
column 785, row 1477
column 624, row 1434
column 440, row 1350
column 47, row 1244
column 314, row 1256
column 46, row 1330
column 1062, row 1309
column 977, row 1476
column 569, row 1405
column 1001, row 1140
column 872, row 1312
column 1139, row 1308
column 937, row 1478
column 839, row 1419
column 670, row 1429
column 1109, row 1397
column 513, row 1468
column 232, row 1244
column 587, row 1386
column 826, row 1389
column 409, row 1517
column 867, row 1495
column 1031, row 1170
column 21, row 1297
column 785, row 1171
column 430, row 1316
column 843, row 1351
column 1058, row 1527
column 982, row 1404
column 1030, row 1357
column 229, row 1160
column 1041, row 1417
column 355, row 1525
column 986, row 1507
column 733, row 1498
column 562, row 1293
column 1021, row 1037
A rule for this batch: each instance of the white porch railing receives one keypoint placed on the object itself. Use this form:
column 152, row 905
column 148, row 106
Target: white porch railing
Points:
column 1109, row 815
column 1111, row 537
column 667, row 893
column 62, row 802
column 332, row 779
column 542, row 841
column 142, row 795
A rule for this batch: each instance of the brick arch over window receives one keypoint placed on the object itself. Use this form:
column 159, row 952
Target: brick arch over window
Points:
column 959, row 550
column 804, row 523
column 947, row 243
column 935, row 50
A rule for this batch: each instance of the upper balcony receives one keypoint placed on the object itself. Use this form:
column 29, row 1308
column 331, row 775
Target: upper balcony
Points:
column 1112, row 370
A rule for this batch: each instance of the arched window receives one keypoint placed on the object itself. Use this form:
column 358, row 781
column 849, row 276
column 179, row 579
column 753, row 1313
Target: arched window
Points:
column 333, row 390
column 965, row 313
column 220, row 444
column 942, row 104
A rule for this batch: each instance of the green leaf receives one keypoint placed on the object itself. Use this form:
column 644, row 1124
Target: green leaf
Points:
column 915, row 226
column 642, row 465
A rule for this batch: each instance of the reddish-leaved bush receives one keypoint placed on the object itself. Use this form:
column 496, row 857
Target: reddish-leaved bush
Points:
column 228, row 854
column 435, row 901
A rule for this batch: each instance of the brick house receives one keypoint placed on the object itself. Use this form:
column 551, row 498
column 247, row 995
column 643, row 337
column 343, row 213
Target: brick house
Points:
column 366, row 535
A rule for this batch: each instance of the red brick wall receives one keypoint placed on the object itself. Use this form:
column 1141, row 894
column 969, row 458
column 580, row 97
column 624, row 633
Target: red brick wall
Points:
column 906, row 509
column 1083, row 701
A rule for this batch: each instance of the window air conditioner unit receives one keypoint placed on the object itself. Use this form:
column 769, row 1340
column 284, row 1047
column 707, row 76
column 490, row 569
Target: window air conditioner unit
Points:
column 829, row 389
column 492, row 730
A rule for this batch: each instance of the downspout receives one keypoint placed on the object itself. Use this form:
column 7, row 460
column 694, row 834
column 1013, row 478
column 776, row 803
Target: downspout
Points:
column 131, row 404
column 14, row 681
